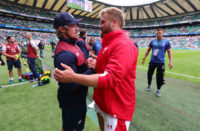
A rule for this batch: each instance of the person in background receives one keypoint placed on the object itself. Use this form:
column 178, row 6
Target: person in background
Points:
column 96, row 47
column 41, row 46
column 159, row 46
column 82, row 43
column 114, row 82
column 12, row 52
column 53, row 48
column 1, row 60
column 32, row 54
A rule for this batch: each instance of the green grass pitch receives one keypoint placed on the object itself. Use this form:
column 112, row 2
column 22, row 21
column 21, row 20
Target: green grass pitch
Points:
column 23, row 108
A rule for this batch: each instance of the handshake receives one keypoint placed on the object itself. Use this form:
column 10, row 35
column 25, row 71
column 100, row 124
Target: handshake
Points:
column 91, row 63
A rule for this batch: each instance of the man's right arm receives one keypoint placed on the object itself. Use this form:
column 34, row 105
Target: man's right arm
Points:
column 6, row 54
column 146, row 54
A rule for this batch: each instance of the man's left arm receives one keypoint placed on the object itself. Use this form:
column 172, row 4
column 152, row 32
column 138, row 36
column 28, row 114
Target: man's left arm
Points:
column 170, row 58
column 169, row 51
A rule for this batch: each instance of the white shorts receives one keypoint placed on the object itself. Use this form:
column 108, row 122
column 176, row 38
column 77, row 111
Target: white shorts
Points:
column 112, row 123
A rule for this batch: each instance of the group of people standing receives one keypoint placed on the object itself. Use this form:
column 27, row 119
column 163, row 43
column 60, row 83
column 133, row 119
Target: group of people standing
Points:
column 12, row 51
column 109, row 67
column 110, row 71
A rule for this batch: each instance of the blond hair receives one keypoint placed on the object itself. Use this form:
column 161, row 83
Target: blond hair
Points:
column 114, row 13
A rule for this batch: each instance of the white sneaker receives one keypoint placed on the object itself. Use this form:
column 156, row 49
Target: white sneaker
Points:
column 91, row 105
column 158, row 93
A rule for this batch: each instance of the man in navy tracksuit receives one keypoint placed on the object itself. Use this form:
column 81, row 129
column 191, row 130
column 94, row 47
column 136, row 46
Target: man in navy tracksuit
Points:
column 71, row 96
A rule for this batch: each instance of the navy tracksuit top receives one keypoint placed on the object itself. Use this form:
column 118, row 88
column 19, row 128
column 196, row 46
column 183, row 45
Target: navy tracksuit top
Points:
column 71, row 94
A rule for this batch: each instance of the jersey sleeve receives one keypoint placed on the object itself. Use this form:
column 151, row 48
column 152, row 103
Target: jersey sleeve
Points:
column 4, row 48
column 33, row 43
column 168, row 46
column 18, row 47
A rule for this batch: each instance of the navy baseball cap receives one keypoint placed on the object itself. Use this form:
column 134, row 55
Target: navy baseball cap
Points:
column 65, row 18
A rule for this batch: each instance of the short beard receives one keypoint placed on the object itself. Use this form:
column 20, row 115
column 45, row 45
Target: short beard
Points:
column 72, row 38
column 107, row 30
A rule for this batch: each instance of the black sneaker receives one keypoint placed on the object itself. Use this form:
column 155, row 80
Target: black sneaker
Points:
column 148, row 88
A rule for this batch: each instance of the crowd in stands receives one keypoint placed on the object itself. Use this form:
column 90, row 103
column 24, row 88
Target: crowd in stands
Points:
column 44, row 13
column 19, row 36
column 169, row 30
column 10, row 21
column 188, row 42
column 177, row 42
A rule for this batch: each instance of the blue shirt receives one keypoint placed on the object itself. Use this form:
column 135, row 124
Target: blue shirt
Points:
column 96, row 47
column 158, row 50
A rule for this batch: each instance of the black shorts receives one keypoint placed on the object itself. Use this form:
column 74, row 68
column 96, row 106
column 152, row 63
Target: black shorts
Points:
column 10, row 63
column 73, row 117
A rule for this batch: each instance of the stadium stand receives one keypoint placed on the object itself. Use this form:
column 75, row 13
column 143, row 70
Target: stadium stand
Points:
column 165, row 21
column 189, row 42
column 183, row 31
column 19, row 36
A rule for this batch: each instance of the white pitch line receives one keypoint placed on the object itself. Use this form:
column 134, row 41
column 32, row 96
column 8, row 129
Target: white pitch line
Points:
column 174, row 73
column 14, row 84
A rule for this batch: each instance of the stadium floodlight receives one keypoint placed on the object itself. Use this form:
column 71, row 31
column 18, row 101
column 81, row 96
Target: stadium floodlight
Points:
column 127, row 2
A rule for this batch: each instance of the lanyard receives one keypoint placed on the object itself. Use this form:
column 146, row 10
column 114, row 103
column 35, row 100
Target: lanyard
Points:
column 158, row 43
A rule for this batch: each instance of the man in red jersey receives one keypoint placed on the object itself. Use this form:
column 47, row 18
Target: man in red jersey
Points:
column 114, row 82
column 32, row 53
column 12, row 52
